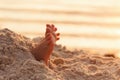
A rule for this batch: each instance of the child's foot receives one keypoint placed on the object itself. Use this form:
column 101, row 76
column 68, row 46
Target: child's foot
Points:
column 44, row 49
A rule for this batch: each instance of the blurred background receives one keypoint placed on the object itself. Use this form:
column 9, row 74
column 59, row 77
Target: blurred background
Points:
column 92, row 24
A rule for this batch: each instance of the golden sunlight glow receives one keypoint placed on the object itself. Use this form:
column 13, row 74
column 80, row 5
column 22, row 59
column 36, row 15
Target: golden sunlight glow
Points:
column 82, row 23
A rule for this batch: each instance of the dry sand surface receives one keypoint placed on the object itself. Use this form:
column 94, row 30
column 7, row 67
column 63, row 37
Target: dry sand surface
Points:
column 17, row 63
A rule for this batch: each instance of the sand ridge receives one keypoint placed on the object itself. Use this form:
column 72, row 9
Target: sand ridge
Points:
column 17, row 63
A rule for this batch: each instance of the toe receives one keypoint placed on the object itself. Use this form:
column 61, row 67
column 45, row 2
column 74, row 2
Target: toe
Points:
column 48, row 25
column 53, row 28
column 47, row 30
column 57, row 39
column 52, row 25
column 57, row 34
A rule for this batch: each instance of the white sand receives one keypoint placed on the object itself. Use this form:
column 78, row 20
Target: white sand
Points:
column 17, row 63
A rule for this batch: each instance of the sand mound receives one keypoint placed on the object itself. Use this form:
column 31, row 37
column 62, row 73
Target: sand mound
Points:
column 17, row 63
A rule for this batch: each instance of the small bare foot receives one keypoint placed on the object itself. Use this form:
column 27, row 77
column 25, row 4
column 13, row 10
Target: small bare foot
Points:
column 44, row 49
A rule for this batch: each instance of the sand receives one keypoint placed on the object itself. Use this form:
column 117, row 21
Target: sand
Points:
column 17, row 63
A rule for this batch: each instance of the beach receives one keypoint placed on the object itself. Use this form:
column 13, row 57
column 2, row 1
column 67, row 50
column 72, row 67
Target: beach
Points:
column 86, row 24
column 17, row 62
column 89, row 45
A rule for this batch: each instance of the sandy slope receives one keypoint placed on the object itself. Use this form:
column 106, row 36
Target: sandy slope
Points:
column 17, row 63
